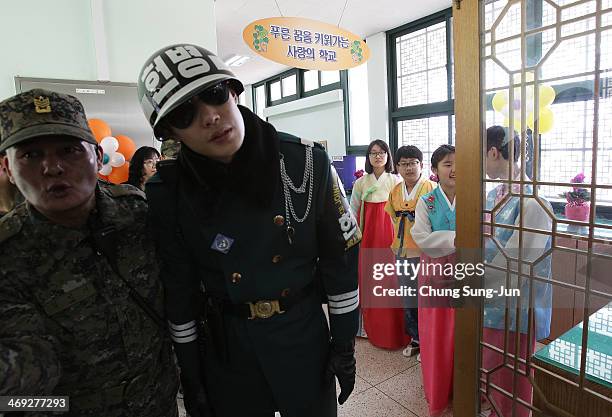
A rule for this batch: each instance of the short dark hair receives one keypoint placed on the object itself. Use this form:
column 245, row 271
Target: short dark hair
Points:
column 496, row 136
column 136, row 169
column 441, row 153
column 409, row 151
column 383, row 145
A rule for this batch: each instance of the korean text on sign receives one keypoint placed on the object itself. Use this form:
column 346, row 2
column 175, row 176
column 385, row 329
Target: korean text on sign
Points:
column 281, row 31
column 300, row 52
column 327, row 39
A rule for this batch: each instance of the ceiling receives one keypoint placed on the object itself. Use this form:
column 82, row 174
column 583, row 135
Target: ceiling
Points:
column 362, row 17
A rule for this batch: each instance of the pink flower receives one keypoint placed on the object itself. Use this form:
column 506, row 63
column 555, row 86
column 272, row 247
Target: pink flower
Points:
column 431, row 198
column 358, row 174
column 433, row 177
column 578, row 178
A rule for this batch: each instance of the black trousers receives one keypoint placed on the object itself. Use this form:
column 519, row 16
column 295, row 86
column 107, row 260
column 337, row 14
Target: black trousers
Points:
column 275, row 364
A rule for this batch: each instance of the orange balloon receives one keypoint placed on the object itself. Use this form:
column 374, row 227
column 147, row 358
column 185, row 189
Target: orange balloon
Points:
column 104, row 177
column 127, row 147
column 119, row 174
column 99, row 128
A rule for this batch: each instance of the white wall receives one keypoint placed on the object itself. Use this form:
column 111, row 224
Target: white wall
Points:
column 319, row 117
column 248, row 97
column 55, row 39
column 137, row 28
column 377, row 87
column 51, row 39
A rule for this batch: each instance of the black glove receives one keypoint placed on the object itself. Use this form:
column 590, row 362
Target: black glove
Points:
column 342, row 364
column 195, row 400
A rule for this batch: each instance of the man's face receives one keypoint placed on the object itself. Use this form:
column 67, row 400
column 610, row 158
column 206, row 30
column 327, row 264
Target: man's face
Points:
column 410, row 169
column 216, row 132
column 55, row 174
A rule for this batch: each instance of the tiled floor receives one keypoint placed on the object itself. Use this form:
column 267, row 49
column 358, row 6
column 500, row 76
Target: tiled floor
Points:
column 388, row 385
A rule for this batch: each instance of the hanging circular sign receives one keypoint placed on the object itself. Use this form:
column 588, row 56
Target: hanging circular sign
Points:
column 305, row 43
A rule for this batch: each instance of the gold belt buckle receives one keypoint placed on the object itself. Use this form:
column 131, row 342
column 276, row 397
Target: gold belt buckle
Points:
column 264, row 309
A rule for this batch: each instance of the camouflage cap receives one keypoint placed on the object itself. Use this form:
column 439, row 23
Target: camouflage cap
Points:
column 170, row 148
column 39, row 113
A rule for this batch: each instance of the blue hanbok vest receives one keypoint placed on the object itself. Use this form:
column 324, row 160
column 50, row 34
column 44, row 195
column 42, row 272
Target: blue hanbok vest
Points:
column 495, row 307
column 441, row 216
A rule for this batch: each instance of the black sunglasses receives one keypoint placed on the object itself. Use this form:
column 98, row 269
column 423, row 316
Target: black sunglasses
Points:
column 182, row 116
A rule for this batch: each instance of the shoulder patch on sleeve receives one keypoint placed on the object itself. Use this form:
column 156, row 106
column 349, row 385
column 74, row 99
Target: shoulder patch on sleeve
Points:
column 10, row 225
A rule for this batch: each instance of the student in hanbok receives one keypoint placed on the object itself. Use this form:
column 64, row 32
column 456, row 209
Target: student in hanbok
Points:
column 507, row 209
column 434, row 234
column 383, row 326
column 401, row 207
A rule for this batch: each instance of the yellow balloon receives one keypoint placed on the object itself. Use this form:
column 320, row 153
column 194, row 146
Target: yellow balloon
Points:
column 547, row 95
column 546, row 120
column 517, row 122
column 500, row 100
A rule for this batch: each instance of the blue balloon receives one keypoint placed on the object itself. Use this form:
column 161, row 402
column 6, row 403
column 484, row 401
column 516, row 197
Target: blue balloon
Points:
column 105, row 159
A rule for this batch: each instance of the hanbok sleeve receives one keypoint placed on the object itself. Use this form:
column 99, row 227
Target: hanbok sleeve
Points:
column 533, row 245
column 356, row 196
column 389, row 207
column 434, row 244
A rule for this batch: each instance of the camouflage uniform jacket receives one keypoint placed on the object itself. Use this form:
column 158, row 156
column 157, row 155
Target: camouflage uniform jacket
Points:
column 67, row 323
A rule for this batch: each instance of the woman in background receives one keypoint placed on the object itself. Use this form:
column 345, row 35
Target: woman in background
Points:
column 384, row 327
column 142, row 166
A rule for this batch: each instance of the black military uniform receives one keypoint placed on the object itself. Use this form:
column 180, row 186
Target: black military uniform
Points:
column 236, row 230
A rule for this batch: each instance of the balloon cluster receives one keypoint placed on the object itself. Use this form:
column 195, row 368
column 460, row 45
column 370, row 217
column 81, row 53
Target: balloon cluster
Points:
column 545, row 116
column 117, row 151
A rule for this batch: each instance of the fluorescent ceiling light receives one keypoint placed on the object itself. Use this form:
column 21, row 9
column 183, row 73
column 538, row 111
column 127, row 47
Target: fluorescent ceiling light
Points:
column 236, row 60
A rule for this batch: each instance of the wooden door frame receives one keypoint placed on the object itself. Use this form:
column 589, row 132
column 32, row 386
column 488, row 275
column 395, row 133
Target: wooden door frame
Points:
column 468, row 159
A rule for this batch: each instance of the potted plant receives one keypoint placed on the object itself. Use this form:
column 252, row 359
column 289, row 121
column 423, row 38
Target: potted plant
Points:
column 578, row 201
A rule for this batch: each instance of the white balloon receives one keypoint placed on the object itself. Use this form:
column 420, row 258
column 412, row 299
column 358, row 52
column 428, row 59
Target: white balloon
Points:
column 117, row 159
column 109, row 144
column 106, row 169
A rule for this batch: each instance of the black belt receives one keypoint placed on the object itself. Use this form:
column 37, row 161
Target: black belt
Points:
column 403, row 215
column 264, row 309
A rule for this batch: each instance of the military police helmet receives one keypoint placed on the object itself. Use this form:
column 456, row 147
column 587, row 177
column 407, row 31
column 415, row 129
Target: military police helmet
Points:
column 176, row 73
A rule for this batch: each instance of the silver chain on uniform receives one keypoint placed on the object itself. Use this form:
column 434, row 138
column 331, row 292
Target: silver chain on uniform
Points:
column 288, row 186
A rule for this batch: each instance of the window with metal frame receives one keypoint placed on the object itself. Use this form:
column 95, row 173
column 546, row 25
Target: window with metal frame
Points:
column 295, row 84
column 420, row 72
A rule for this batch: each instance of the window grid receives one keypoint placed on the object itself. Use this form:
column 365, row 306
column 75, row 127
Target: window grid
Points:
column 426, row 134
column 421, row 91
column 421, row 66
column 566, row 150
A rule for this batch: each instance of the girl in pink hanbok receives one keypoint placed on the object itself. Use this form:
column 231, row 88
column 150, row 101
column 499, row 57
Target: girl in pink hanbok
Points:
column 434, row 233
column 384, row 326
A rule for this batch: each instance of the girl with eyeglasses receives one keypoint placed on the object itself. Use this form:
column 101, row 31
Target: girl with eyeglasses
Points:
column 382, row 326
column 142, row 166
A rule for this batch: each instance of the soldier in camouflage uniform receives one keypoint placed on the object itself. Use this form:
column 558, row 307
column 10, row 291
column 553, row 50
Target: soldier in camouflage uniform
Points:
column 80, row 299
